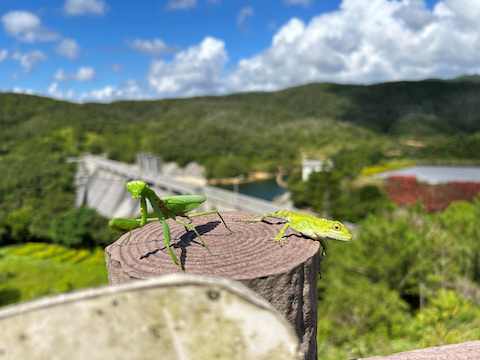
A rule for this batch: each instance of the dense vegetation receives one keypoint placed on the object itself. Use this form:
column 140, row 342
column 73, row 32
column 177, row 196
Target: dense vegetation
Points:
column 409, row 279
column 359, row 127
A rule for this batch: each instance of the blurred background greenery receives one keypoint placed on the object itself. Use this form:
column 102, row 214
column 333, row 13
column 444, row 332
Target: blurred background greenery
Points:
column 409, row 279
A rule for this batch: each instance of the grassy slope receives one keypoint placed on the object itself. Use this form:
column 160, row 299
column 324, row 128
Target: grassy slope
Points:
column 34, row 269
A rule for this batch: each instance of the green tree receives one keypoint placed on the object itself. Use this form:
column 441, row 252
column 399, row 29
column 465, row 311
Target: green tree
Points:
column 80, row 227
column 447, row 319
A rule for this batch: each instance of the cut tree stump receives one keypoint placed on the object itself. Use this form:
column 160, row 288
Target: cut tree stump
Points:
column 286, row 276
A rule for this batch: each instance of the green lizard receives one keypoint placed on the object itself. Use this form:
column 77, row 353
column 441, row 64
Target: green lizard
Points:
column 310, row 226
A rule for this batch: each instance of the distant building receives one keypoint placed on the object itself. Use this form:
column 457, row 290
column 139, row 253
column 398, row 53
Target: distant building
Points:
column 149, row 164
column 194, row 169
column 434, row 186
column 152, row 165
column 310, row 166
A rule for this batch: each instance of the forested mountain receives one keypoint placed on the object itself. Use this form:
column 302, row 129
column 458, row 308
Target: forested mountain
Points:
column 258, row 127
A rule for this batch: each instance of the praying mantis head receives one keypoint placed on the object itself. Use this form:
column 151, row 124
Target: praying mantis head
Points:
column 136, row 188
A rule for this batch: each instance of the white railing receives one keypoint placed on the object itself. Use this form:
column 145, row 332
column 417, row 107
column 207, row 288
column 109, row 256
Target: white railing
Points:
column 216, row 197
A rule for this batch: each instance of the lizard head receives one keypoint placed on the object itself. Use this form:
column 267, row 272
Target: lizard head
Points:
column 136, row 188
column 336, row 230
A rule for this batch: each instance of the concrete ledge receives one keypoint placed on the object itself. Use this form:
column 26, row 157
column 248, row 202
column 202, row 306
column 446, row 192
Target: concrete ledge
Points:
column 175, row 317
column 464, row 351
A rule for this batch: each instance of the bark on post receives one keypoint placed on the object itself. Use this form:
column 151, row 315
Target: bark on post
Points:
column 286, row 276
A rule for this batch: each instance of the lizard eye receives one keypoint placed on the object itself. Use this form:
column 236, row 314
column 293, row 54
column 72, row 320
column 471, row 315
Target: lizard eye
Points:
column 336, row 227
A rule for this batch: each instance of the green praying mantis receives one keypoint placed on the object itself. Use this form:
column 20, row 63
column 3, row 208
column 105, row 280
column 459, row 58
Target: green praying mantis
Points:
column 168, row 207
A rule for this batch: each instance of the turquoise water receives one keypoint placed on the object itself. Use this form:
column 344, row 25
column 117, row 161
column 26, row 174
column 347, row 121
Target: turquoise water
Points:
column 266, row 189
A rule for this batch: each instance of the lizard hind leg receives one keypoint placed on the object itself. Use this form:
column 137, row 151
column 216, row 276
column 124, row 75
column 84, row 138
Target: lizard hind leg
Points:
column 281, row 234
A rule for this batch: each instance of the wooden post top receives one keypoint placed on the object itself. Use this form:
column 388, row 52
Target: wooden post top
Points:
column 248, row 252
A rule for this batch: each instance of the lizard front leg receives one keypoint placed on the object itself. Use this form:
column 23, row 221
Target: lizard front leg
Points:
column 324, row 247
column 281, row 234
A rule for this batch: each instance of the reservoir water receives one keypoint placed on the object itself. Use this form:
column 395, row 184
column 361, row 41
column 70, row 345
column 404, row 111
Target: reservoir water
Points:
column 265, row 189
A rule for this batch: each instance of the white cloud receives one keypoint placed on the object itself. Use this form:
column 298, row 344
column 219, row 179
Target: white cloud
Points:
column 60, row 75
column 243, row 15
column 54, row 91
column 17, row 22
column 360, row 42
column 152, row 47
column 128, row 90
column 83, row 7
column 181, row 4
column 106, row 93
column 20, row 90
column 3, row 54
column 467, row 11
column 366, row 42
column 68, row 48
column 53, row 88
column 27, row 27
column 83, row 73
column 196, row 70
column 298, row 2
column 28, row 60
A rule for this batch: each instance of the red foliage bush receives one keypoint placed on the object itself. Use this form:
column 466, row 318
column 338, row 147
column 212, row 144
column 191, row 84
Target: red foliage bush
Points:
column 406, row 190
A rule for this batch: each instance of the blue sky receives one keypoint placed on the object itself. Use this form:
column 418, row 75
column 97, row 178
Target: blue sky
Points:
column 102, row 50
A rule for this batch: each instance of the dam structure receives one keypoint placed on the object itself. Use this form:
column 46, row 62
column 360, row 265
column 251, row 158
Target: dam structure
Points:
column 100, row 184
